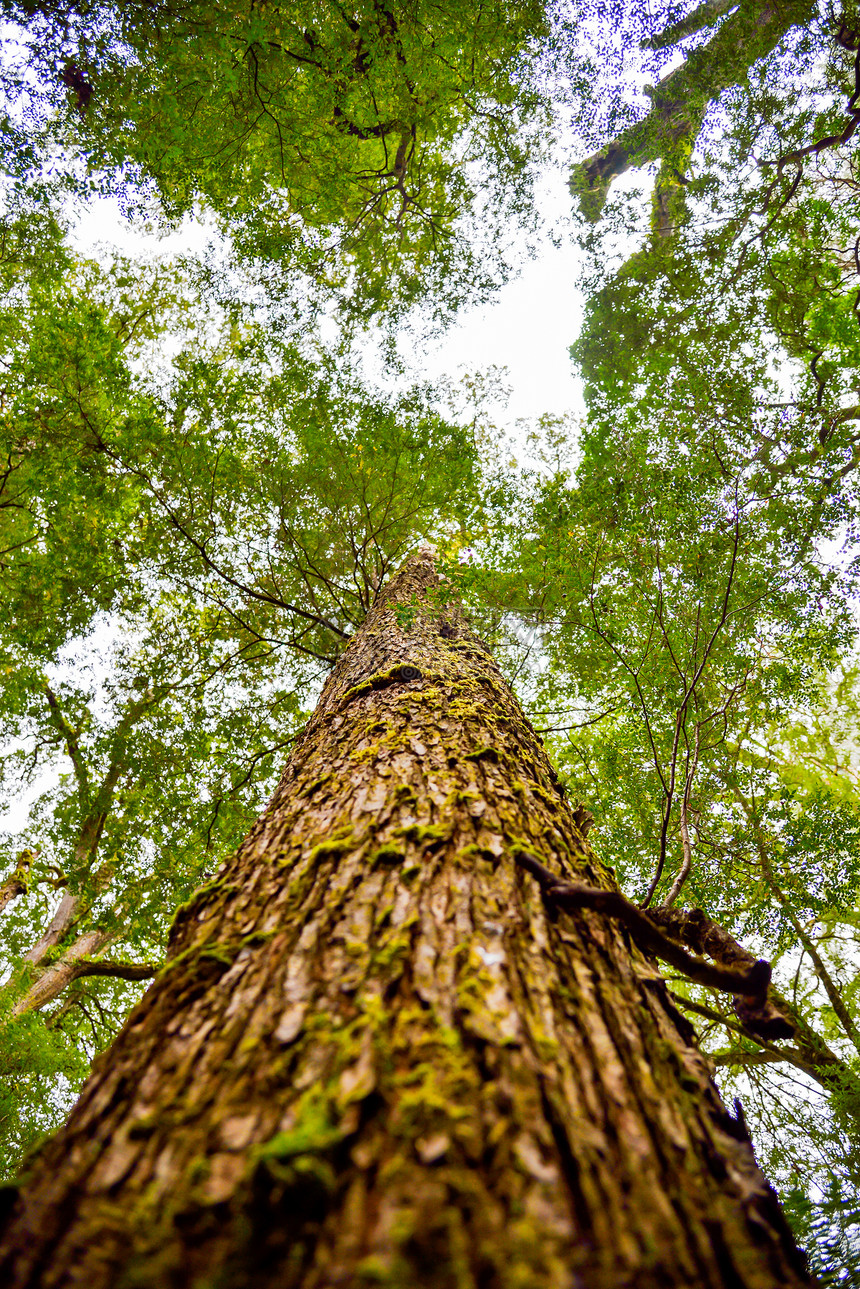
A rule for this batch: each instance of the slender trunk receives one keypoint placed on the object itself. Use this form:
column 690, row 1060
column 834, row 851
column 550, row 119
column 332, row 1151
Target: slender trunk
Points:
column 60, row 924
column 374, row 1058
column 42, row 978
column 57, row 976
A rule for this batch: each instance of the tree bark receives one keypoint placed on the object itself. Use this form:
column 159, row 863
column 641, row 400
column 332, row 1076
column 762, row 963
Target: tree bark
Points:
column 376, row 1057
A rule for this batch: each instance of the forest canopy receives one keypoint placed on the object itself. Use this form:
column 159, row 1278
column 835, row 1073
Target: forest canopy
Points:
column 212, row 459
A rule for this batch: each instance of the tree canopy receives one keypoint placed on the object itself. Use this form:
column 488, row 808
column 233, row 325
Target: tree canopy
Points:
column 206, row 475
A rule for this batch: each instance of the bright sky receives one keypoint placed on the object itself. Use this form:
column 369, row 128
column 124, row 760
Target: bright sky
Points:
column 529, row 327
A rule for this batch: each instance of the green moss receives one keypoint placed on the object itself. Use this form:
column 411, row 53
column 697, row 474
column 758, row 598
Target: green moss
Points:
column 339, row 843
column 465, row 797
column 391, row 951
column 427, row 835
column 191, row 957
column 365, row 755
column 373, row 1271
column 521, row 849
column 222, row 953
column 313, row 1133
column 198, row 1170
column 461, row 709
column 483, row 754
column 388, row 856
column 474, row 852
column 548, row 797
column 248, row 1043
column 308, row 1172
column 395, row 675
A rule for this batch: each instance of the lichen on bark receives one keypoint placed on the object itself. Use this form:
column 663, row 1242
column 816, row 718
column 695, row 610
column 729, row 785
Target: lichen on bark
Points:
column 376, row 1057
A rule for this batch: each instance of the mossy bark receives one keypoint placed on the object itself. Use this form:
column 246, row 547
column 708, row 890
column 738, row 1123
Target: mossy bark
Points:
column 373, row 1058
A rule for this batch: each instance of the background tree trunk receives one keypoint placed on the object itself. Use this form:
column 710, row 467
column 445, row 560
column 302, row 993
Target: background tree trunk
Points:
column 374, row 1058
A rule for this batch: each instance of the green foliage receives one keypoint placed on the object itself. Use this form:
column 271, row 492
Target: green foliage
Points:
column 368, row 148
column 738, row 306
column 40, row 1066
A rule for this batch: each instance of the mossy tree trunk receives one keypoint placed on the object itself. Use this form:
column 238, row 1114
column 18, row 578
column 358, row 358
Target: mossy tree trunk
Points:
column 375, row 1058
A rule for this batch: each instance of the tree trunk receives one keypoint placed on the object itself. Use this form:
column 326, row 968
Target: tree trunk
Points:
column 374, row 1058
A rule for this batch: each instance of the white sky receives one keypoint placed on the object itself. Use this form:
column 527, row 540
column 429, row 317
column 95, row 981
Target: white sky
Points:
column 529, row 327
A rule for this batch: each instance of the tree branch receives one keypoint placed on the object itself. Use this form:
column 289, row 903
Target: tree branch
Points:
column 739, row 1057
column 16, row 883
column 693, row 927
column 751, row 982
column 704, row 16
column 680, row 100
column 119, row 970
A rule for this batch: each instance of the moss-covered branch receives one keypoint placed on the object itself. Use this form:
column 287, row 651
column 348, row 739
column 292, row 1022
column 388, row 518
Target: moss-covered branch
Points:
column 119, row 970
column 678, row 104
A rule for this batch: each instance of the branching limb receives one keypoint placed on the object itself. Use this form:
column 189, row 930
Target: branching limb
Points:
column 810, row 1053
column 689, row 694
column 761, row 1016
column 118, row 970
column 704, row 16
column 851, row 41
column 16, row 883
column 687, row 865
column 679, row 101
column 58, row 975
column 750, row 981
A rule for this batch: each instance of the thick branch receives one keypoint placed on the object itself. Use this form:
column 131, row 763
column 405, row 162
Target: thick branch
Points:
column 59, row 975
column 60, row 923
column 752, row 981
column 811, row 1054
column 680, row 100
column 738, row 1057
column 694, row 928
column 705, row 16
column 96, row 811
column 16, row 883
column 119, row 970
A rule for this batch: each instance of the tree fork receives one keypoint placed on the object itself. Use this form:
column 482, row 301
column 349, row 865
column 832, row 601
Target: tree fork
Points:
column 374, row 1057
